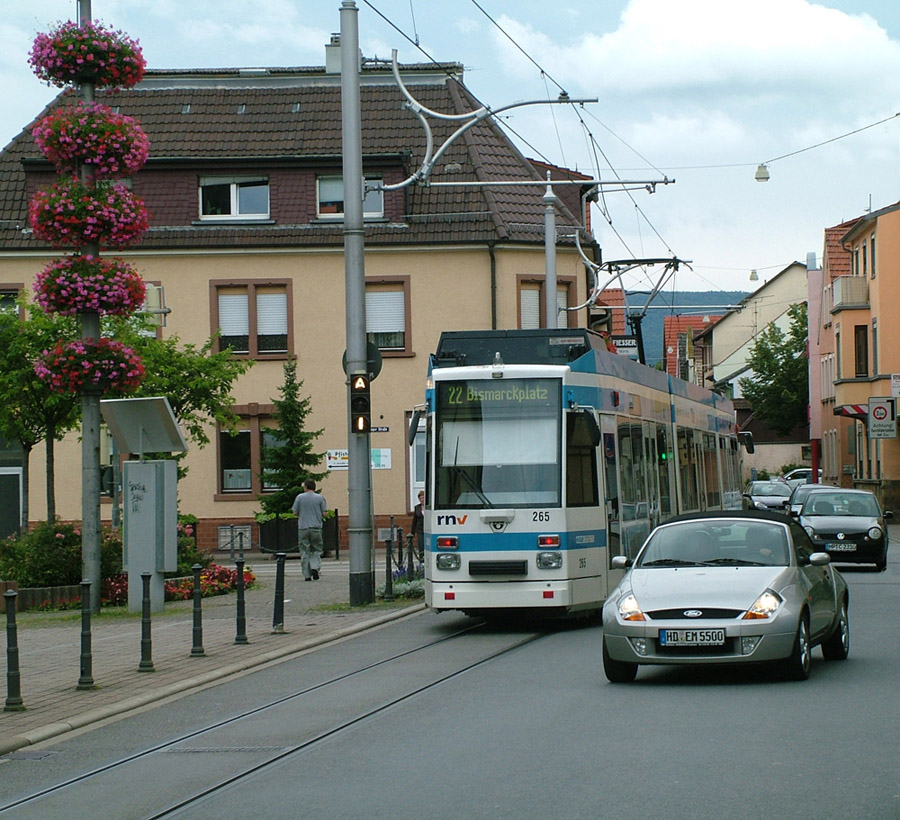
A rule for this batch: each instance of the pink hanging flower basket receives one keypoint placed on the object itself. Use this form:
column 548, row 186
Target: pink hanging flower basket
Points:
column 113, row 145
column 77, row 284
column 69, row 213
column 101, row 365
column 87, row 52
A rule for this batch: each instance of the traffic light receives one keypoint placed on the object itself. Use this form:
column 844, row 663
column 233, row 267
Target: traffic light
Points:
column 360, row 403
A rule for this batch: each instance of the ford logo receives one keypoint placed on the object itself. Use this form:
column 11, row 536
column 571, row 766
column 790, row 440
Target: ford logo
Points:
column 692, row 613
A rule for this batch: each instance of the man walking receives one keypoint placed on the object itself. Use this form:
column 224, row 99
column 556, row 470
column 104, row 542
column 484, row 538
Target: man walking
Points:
column 309, row 507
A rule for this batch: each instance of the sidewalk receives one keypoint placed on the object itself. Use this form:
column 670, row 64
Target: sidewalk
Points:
column 50, row 648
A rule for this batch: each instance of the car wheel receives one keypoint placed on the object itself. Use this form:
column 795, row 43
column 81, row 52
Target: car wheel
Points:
column 617, row 671
column 837, row 647
column 796, row 667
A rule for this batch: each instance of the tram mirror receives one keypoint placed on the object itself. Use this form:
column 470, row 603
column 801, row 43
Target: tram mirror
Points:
column 413, row 427
column 746, row 438
column 593, row 427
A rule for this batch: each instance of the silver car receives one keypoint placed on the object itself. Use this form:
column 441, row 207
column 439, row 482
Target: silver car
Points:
column 725, row 587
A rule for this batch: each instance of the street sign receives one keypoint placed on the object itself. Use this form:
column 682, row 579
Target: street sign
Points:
column 882, row 421
column 895, row 385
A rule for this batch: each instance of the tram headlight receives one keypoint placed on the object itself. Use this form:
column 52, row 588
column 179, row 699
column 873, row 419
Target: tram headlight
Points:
column 447, row 560
column 549, row 560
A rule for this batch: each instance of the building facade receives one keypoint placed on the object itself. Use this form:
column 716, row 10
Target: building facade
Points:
column 245, row 193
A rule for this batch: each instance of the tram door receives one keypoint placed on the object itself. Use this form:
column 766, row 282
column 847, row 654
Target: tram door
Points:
column 611, row 485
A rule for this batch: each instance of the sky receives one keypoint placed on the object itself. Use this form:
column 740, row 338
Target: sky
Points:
column 699, row 91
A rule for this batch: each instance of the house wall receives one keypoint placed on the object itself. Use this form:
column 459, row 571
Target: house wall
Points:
column 450, row 288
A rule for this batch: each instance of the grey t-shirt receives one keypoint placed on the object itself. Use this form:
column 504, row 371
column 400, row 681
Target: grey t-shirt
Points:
column 309, row 507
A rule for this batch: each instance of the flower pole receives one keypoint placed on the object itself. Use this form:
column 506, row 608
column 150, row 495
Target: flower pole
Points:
column 91, row 145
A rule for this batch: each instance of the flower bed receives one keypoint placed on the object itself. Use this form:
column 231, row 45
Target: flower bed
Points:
column 110, row 144
column 76, row 284
column 87, row 52
column 69, row 213
column 214, row 580
column 103, row 364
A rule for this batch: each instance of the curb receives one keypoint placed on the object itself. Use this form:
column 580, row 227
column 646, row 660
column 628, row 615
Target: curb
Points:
column 12, row 743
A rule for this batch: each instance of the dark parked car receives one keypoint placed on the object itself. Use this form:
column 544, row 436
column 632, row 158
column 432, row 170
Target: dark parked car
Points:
column 847, row 524
column 802, row 492
column 766, row 495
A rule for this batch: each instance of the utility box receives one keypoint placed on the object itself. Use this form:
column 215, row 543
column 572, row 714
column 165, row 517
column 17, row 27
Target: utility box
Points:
column 150, row 528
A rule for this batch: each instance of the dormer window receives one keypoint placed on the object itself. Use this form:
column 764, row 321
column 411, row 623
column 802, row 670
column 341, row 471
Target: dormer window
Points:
column 331, row 198
column 234, row 198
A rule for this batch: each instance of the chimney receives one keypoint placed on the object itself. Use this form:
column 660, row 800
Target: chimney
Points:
column 333, row 55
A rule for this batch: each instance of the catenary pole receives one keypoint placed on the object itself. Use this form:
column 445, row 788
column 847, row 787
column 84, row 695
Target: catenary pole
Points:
column 359, row 487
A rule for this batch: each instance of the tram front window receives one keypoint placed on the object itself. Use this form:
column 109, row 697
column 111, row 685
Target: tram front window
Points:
column 498, row 443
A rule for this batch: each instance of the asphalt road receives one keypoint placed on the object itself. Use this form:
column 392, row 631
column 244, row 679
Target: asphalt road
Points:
column 445, row 718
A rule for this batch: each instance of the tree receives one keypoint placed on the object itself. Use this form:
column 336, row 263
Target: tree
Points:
column 29, row 411
column 288, row 460
column 778, row 391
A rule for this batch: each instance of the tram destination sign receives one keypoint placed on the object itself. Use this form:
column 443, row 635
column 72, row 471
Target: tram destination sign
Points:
column 537, row 392
column 882, row 421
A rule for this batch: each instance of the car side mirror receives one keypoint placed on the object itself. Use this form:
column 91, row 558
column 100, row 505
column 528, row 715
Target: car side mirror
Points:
column 888, row 514
column 820, row 559
column 795, row 513
column 621, row 562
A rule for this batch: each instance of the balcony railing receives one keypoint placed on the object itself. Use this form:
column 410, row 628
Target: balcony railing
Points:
column 850, row 291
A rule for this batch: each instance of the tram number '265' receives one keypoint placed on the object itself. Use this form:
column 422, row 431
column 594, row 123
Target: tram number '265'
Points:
column 540, row 515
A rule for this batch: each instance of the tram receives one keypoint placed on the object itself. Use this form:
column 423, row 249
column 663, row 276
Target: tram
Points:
column 547, row 455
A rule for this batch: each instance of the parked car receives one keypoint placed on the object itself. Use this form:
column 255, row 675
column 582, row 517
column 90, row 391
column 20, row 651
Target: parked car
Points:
column 766, row 495
column 847, row 524
column 725, row 587
column 804, row 473
column 800, row 493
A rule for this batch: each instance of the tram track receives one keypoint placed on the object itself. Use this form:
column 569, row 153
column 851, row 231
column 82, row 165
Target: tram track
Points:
column 265, row 757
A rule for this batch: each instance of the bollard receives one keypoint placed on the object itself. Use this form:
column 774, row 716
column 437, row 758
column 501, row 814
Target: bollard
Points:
column 388, row 571
column 241, row 636
column 146, row 664
column 278, row 614
column 86, row 678
column 13, row 684
column 197, row 648
column 241, row 544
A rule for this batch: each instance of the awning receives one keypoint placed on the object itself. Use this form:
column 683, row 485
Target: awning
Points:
column 853, row 411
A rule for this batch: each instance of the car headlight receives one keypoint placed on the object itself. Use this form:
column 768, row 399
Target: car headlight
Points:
column 630, row 609
column 759, row 505
column 875, row 533
column 764, row 607
column 810, row 531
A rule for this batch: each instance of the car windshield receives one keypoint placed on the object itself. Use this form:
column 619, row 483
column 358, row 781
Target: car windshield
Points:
column 719, row 542
column 770, row 488
column 825, row 503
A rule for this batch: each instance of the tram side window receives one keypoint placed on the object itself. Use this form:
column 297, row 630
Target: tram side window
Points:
column 711, row 472
column 631, row 468
column 581, row 464
column 687, row 469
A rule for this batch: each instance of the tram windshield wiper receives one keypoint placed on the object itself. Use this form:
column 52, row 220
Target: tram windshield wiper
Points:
column 473, row 485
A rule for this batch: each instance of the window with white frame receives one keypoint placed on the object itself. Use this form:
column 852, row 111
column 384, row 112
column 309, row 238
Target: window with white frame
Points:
column 331, row 197
column 234, row 197
column 386, row 315
column 253, row 319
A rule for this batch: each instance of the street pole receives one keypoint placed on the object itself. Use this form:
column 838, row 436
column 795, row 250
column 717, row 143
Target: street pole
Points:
column 90, row 409
column 551, row 309
column 359, row 487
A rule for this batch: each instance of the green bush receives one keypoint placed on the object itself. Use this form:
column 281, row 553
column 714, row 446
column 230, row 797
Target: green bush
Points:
column 49, row 555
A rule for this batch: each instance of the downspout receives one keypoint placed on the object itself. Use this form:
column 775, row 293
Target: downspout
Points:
column 493, row 257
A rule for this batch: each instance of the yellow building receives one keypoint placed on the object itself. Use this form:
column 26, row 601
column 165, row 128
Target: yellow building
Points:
column 245, row 194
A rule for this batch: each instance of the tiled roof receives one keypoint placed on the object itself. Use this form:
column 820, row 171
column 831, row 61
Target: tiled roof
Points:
column 836, row 259
column 673, row 327
column 291, row 118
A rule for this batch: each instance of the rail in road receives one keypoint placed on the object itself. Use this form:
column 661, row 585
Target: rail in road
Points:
column 219, row 755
